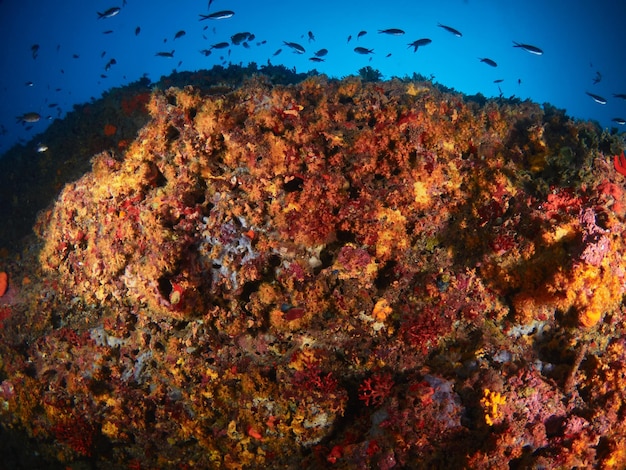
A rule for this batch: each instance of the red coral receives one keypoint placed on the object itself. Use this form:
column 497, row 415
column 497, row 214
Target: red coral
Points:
column 77, row 433
column 374, row 390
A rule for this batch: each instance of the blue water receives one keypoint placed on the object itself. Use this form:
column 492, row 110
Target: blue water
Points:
column 579, row 38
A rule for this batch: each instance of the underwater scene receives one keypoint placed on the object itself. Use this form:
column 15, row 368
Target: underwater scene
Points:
column 330, row 235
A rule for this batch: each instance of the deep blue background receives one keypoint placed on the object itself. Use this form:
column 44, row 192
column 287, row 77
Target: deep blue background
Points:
column 579, row 38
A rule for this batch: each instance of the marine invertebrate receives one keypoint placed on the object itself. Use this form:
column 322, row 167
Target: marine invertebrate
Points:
column 4, row 283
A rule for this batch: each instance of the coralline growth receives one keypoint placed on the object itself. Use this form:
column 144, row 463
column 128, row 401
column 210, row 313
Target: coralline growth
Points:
column 364, row 275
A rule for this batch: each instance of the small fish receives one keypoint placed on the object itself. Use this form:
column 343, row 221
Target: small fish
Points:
column 363, row 50
column 245, row 46
column 137, row 30
column 420, row 42
column 108, row 31
column 205, row 52
column 52, row 105
column 316, row 59
column 597, row 79
column 29, row 117
column 102, row 54
column 110, row 13
column 361, row 34
column 107, row 67
column 488, row 61
column 295, row 46
column 388, row 55
column 528, row 48
column 34, row 50
column 278, row 51
column 450, row 30
column 41, row 148
column 220, row 45
column 29, row 83
column 165, row 54
column 596, row 98
column 619, row 121
column 499, row 80
column 218, row 15
column 75, row 56
column 349, row 38
column 311, row 36
column 321, row 53
column 620, row 95
column 391, row 31
column 238, row 38
column 179, row 34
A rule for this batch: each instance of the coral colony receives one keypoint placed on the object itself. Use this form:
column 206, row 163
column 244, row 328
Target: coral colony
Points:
column 328, row 274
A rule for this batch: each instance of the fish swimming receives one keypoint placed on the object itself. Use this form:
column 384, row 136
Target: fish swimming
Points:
column 311, row 36
column 110, row 13
column 165, row 54
column 499, row 80
column 597, row 98
column 34, row 49
column 361, row 34
column 391, row 31
column 238, row 38
column 321, row 53
column 278, row 51
column 295, row 46
column 205, row 52
column 137, row 30
column 218, row 15
column 619, row 121
column 41, row 148
column 179, row 34
column 528, row 48
column 363, row 50
column 620, row 95
column 220, row 45
column 316, row 59
column 29, row 117
column 420, row 42
column 488, row 61
column 450, row 30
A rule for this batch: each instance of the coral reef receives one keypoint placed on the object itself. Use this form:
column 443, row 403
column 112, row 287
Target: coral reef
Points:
column 328, row 274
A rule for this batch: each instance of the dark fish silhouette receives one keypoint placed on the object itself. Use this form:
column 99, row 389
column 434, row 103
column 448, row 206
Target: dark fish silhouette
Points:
column 488, row 61
column 179, row 34
column 218, row 15
column 391, row 31
column 137, row 30
column 363, row 50
column 619, row 121
column 528, row 48
column 295, row 46
column 620, row 95
column 450, row 30
column 165, row 54
column 321, row 53
column 110, row 13
column 420, row 42
column 361, row 34
column 597, row 98
column 29, row 117
column 220, row 45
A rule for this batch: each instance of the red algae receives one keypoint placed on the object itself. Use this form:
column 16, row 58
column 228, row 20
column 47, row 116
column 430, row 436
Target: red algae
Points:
column 332, row 273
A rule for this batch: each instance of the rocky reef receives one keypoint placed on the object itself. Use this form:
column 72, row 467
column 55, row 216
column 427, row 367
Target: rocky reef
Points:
column 328, row 274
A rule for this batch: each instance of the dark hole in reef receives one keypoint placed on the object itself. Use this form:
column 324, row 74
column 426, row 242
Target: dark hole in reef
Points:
column 412, row 158
column 150, row 415
column 181, row 325
column 392, row 145
column 353, row 193
column 248, row 289
column 171, row 134
column 171, row 99
column 192, row 113
column 294, row 184
column 345, row 236
column 371, row 122
column 327, row 255
column 385, row 275
column 346, row 100
column 155, row 177
column 98, row 387
column 165, row 287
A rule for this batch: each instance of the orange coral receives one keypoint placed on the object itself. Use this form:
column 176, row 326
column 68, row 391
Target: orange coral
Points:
column 4, row 283
column 109, row 130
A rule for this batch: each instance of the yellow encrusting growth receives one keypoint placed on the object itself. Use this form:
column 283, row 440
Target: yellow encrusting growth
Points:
column 492, row 402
